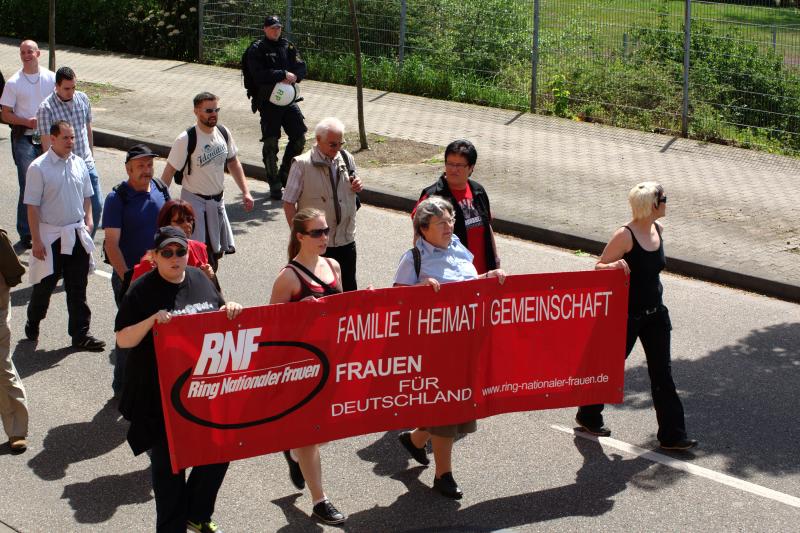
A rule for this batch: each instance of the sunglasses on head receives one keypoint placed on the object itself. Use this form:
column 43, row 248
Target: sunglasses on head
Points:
column 167, row 253
column 317, row 233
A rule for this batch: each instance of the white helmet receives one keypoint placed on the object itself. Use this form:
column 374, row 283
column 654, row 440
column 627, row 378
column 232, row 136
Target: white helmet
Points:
column 284, row 94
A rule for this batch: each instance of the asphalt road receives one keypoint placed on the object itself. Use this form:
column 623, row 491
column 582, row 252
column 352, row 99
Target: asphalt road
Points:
column 736, row 363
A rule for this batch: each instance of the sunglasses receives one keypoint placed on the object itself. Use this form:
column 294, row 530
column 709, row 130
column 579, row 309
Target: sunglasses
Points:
column 317, row 233
column 167, row 253
column 661, row 200
column 210, row 110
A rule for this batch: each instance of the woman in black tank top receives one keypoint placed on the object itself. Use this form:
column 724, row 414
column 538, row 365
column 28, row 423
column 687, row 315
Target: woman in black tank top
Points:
column 308, row 275
column 638, row 249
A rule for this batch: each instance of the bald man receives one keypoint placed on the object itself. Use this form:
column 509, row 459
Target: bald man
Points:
column 23, row 93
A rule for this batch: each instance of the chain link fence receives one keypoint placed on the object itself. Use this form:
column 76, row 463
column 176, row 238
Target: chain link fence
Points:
column 619, row 62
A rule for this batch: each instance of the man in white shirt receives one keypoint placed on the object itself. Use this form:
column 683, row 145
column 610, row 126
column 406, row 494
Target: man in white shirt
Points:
column 58, row 195
column 21, row 97
column 65, row 103
column 203, row 180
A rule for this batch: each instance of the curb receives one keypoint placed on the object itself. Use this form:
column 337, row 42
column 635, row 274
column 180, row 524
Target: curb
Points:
column 381, row 198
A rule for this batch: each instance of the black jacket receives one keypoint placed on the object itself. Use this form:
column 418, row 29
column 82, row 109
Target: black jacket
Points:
column 269, row 61
column 481, row 202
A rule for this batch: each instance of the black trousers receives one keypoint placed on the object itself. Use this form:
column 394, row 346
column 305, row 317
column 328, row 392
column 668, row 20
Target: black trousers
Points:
column 75, row 271
column 273, row 118
column 654, row 332
column 346, row 256
column 179, row 499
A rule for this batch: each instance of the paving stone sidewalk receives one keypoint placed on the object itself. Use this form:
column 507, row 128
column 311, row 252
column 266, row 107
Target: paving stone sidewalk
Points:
column 733, row 214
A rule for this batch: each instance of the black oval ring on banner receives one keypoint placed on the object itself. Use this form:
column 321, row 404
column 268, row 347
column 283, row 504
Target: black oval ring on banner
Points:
column 175, row 395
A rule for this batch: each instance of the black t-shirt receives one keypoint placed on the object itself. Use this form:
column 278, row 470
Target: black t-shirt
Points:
column 141, row 397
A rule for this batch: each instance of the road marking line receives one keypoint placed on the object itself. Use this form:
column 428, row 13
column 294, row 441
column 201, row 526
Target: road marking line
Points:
column 102, row 273
column 677, row 464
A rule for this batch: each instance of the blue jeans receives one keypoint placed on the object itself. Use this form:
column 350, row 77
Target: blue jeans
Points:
column 24, row 152
column 97, row 200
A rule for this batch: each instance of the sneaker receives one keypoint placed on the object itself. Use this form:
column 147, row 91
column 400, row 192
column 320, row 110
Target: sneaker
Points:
column 447, row 486
column 327, row 513
column 419, row 454
column 89, row 344
column 203, row 527
column 31, row 331
column 18, row 444
column 295, row 474
column 683, row 444
column 597, row 430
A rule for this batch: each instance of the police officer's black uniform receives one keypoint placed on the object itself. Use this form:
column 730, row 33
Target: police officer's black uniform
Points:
column 268, row 62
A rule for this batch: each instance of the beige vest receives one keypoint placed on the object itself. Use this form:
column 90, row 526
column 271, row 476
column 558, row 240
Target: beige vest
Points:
column 318, row 192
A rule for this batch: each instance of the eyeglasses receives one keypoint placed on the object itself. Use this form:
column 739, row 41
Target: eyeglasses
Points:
column 167, row 253
column 336, row 145
column 456, row 165
column 210, row 110
column 317, row 233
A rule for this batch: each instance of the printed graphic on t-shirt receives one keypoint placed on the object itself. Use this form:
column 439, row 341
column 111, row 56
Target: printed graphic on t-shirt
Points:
column 192, row 309
column 471, row 216
column 211, row 152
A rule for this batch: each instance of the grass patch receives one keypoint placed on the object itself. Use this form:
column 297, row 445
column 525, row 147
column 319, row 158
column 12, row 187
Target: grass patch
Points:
column 97, row 91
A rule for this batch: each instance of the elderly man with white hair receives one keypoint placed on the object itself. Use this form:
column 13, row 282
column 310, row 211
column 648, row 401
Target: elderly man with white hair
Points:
column 325, row 178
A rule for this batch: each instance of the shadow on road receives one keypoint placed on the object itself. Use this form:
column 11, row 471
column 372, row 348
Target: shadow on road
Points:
column 72, row 443
column 599, row 479
column 96, row 501
column 29, row 360
column 740, row 401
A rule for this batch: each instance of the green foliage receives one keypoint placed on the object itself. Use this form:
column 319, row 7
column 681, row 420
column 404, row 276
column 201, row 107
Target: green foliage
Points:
column 159, row 28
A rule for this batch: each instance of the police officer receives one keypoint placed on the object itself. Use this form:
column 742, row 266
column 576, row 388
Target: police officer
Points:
column 273, row 60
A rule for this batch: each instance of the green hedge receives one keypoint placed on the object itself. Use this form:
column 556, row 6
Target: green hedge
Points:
column 158, row 28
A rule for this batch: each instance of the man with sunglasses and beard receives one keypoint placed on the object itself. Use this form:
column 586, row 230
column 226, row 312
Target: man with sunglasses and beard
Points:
column 129, row 222
column 203, row 174
column 323, row 179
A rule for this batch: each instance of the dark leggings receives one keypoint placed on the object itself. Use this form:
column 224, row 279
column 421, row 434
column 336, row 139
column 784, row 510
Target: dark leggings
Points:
column 653, row 331
column 179, row 499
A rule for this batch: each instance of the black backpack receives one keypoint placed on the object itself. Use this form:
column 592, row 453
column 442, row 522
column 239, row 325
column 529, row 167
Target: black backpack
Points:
column 191, row 132
column 122, row 194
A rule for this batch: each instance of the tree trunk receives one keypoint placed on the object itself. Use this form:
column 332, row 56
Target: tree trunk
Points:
column 362, row 131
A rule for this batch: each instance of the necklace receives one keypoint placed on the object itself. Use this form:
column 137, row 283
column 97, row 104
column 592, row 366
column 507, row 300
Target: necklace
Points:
column 34, row 82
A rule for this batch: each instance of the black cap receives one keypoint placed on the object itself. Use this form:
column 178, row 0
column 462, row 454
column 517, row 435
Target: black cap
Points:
column 140, row 150
column 169, row 235
column 272, row 20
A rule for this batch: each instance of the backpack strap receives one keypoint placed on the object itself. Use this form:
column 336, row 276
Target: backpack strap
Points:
column 162, row 188
column 191, row 144
column 121, row 193
column 417, row 260
column 348, row 162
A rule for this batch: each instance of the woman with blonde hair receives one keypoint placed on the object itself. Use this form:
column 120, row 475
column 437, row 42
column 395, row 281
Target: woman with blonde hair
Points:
column 638, row 249
column 309, row 275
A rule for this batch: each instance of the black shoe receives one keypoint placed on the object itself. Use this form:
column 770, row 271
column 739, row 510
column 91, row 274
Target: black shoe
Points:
column 598, row 430
column 419, row 454
column 89, row 344
column 683, row 444
column 26, row 243
column 276, row 195
column 326, row 512
column 295, row 474
column 447, row 486
column 31, row 331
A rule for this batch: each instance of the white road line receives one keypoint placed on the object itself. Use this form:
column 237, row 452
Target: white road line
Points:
column 677, row 464
column 102, row 273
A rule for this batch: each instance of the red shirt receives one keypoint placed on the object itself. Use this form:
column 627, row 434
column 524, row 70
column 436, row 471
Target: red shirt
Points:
column 475, row 230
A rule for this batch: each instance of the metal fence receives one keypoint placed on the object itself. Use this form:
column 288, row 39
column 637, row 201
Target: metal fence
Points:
column 731, row 75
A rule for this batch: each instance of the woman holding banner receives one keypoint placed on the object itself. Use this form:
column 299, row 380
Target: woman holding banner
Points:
column 638, row 249
column 169, row 290
column 437, row 257
column 309, row 275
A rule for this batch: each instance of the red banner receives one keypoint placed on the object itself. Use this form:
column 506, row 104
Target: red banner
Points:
column 284, row 376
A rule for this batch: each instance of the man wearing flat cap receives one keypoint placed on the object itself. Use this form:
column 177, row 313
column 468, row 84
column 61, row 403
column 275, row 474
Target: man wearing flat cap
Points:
column 129, row 222
column 269, row 61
